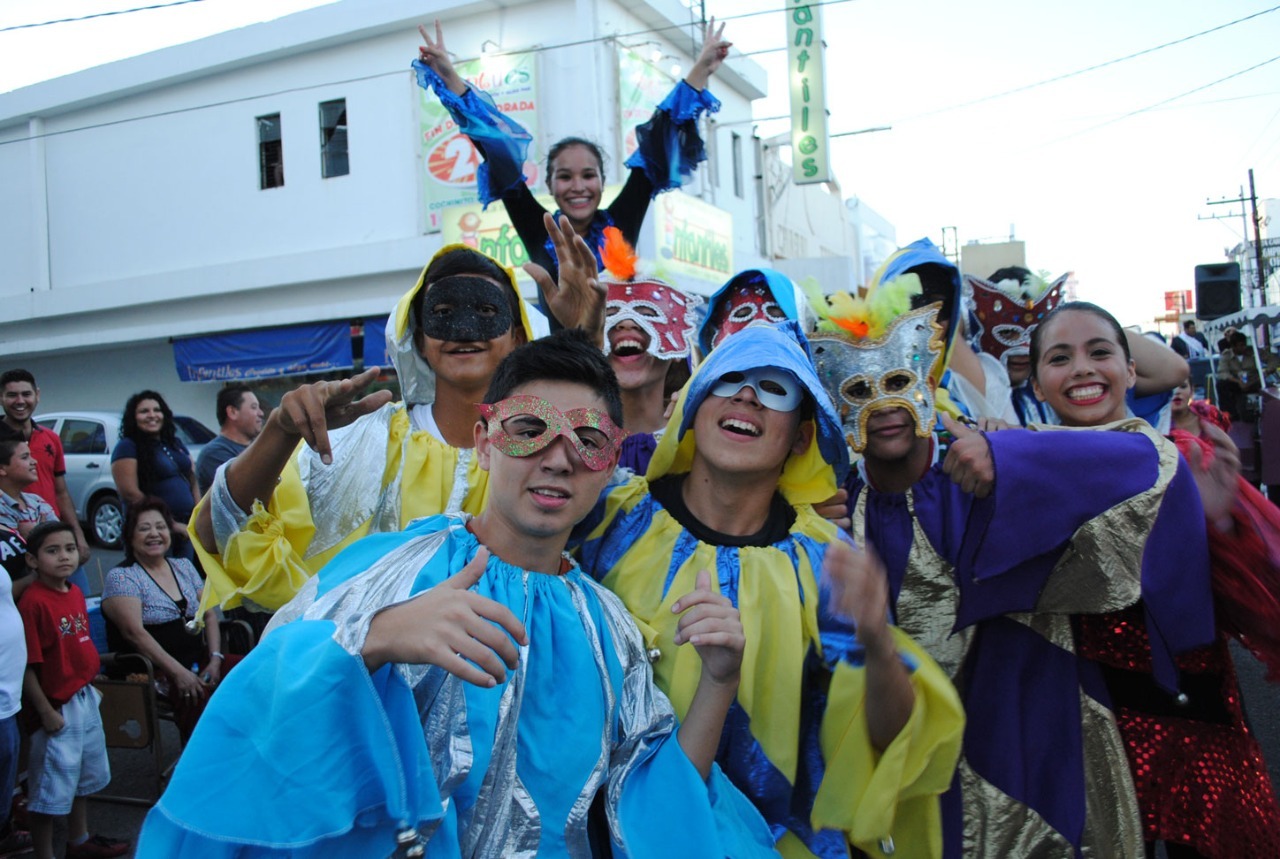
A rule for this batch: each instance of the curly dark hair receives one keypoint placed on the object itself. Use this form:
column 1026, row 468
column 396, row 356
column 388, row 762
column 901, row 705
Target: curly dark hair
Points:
column 146, row 442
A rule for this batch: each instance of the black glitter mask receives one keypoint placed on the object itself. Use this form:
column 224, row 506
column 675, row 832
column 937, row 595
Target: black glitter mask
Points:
column 465, row 309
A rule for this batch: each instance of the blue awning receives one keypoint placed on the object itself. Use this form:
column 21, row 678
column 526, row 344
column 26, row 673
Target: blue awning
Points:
column 375, row 343
column 294, row 350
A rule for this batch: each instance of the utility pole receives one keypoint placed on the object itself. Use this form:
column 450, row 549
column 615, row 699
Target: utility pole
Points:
column 1257, row 242
column 1259, row 259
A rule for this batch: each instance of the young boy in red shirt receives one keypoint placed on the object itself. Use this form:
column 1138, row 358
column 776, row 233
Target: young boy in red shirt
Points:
column 68, row 759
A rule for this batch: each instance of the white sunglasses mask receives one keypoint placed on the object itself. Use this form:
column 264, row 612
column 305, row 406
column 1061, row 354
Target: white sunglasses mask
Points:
column 775, row 389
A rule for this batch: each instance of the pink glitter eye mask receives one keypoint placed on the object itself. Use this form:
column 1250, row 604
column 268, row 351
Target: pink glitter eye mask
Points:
column 524, row 425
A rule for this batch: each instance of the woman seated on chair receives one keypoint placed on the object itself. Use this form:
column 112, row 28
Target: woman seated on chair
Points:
column 150, row 605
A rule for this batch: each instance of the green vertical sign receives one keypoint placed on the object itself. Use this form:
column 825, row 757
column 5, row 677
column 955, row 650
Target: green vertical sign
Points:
column 810, row 148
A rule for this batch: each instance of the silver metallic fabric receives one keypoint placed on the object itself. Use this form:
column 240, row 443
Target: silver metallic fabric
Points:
column 508, row 824
column 349, row 492
column 227, row 516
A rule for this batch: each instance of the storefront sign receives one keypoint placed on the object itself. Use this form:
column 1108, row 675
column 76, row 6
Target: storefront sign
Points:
column 642, row 85
column 694, row 240
column 449, row 159
column 810, row 148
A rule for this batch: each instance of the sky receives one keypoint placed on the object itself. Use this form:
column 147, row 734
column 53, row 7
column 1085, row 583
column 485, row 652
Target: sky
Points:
column 1106, row 173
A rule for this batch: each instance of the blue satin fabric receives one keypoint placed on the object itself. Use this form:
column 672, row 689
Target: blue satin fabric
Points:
column 331, row 761
column 504, row 141
column 668, row 146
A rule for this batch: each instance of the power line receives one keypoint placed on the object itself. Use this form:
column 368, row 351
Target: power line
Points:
column 1088, row 69
column 98, row 15
column 1163, row 102
column 615, row 37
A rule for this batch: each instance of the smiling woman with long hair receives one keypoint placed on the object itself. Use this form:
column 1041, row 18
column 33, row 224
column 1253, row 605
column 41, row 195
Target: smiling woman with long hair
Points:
column 1203, row 787
column 150, row 459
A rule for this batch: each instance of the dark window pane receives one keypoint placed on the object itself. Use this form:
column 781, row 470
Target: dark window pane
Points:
column 270, row 152
column 80, row 436
column 191, row 431
column 333, row 138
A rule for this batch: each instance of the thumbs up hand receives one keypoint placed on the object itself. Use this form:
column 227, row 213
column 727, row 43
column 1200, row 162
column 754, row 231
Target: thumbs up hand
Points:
column 969, row 461
column 452, row 626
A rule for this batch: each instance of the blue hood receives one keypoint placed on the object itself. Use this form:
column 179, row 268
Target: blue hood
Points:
column 783, row 289
column 783, row 347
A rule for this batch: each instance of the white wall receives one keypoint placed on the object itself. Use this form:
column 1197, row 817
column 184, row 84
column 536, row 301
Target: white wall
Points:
column 105, row 378
column 156, row 226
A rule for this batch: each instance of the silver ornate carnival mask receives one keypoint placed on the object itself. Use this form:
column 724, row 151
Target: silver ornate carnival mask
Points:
column 864, row 376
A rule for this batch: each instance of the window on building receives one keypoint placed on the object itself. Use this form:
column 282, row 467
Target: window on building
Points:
column 270, row 152
column 736, row 144
column 333, row 138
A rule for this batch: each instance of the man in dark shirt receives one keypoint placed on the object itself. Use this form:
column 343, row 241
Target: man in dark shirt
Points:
column 239, row 422
column 19, row 397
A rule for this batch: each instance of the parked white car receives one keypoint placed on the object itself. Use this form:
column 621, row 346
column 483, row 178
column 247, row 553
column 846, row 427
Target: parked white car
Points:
column 87, row 440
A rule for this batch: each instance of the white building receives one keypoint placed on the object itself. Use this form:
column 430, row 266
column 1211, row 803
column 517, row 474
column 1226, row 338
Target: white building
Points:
column 134, row 210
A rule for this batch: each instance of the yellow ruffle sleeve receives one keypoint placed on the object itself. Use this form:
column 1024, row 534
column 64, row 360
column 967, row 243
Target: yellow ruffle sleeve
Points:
column 311, row 519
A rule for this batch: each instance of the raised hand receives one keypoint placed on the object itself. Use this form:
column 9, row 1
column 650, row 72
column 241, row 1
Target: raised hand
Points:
column 472, row 637
column 860, row 591
column 969, row 461
column 711, row 624
column 312, row 410
column 1219, row 481
column 713, row 53
column 578, row 299
column 436, row 56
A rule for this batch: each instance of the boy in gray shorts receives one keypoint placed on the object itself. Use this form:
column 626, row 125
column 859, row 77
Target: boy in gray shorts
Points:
column 68, row 759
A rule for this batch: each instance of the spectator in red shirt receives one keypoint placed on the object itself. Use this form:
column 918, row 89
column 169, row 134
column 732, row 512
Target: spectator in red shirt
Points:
column 19, row 397
column 68, row 758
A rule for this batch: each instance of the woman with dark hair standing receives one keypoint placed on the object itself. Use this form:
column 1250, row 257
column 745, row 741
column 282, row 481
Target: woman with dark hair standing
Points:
column 149, row 459
column 669, row 148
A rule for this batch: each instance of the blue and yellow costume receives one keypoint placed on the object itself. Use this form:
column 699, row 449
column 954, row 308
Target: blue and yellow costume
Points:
column 796, row 741
column 348, row 763
column 387, row 470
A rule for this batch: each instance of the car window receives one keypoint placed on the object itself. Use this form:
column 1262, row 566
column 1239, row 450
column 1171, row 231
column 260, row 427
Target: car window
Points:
column 81, row 436
column 191, row 431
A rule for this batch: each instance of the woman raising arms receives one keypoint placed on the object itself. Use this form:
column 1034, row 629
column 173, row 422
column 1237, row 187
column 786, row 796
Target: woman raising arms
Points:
column 669, row 148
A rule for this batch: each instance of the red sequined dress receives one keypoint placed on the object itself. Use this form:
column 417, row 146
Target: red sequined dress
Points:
column 1198, row 771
